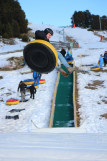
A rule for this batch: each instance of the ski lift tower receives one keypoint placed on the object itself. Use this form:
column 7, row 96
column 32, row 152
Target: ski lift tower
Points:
column 100, row 21
column 63, row 35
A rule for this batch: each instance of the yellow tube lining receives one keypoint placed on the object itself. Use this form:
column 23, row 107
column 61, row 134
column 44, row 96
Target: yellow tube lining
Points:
column 70, row 62
column 36, row 86
column 41, row 82
column 95, row 68
column 29, row 83
column 47, row 44
column 12, row 103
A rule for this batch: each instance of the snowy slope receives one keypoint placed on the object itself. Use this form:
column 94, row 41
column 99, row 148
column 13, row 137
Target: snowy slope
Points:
column 92, row 102
column 22, row 140
column 52, row 146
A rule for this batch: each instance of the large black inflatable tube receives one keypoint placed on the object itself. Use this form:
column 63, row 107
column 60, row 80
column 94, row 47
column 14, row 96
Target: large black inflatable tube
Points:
column 40, row 56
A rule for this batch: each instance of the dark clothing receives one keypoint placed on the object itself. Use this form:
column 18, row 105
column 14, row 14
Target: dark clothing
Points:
column 105, row 58
column 63, row 52
column 22, row 87
column 32, row 91
column 105, row 55
column 41, row 35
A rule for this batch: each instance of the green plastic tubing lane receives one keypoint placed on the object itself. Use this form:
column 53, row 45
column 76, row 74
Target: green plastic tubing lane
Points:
column 64, row 111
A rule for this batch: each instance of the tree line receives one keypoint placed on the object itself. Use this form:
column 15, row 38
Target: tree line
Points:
column 87, row 20
column 13, row 21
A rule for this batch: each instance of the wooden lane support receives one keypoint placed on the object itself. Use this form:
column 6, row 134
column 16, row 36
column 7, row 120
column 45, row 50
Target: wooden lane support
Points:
column 74, row 101
column 53, row 101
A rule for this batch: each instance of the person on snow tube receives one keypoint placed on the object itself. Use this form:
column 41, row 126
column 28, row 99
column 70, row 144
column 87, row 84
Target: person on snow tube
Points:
column 46, row 35
column 69, row 57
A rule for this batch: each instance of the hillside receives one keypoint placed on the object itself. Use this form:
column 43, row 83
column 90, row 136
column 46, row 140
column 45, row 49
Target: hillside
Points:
column 91, row 85
column 29, row 138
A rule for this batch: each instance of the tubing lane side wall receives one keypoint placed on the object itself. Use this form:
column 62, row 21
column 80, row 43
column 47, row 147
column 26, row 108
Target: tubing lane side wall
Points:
column 53, row 101
column 74, row 96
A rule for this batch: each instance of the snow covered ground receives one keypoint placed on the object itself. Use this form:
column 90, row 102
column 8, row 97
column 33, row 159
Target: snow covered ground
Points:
column 59, row 146
column 29, row 138
column 93, row 102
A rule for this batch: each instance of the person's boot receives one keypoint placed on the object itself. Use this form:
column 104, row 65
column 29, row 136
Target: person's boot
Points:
column 71, row 70
column 63, row 72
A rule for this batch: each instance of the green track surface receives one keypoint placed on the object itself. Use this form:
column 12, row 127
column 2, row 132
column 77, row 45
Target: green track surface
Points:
column 64, row 111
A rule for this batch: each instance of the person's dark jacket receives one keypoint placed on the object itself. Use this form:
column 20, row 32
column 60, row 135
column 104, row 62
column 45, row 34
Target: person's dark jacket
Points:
column 105, row 55
column 22, row 86
column 32, row 89
column 63, row 52
column 105, row 58
column 41, row 35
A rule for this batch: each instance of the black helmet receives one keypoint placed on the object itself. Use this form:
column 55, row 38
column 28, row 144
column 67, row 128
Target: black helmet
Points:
column 48, row 30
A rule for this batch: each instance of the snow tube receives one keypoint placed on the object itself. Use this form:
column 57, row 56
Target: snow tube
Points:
column 95, row 68
column 29, row 81
column 41, row 81
column 36, row 87
column 69, row 59
column 12, row 101
column 40, row 56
